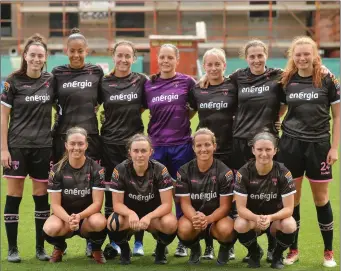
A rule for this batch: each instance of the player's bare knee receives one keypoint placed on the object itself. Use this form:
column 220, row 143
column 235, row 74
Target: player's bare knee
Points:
column 97, row 222
column 15, row 187
column 241, row 225
column 169, row 224
column 185, row 228
column 320, row 199
column 288, row 225
column 225, row 229
column 52, row 228
column 39, row 188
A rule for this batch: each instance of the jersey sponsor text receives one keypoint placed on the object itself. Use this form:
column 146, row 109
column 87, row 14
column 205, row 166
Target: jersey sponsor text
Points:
column 212, row 105
column 165, row 98
column 124, row 97
column 254, row 89
column 264, row 196
column 304, row 96
column 204, row 196
column 78, row 84
column 38, row 98
column 78, row 192
column 147, row 198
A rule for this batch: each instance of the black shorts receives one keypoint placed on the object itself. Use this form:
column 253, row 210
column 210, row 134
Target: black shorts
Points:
column 35, row 162
column 94, row 150
column 241, row 153
column 225, row 158
column 112, row 155
column 309, row 157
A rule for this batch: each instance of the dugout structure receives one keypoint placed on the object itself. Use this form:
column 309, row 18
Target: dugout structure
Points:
column 188, row 49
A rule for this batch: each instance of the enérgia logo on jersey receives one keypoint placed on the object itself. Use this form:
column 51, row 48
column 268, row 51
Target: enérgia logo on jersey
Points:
column 77, row 192
column 38, row 98
column 304, row 95
column 264, row 196
column 256, row 90
column 204, row 196
column 214, row 105
column 77, row 84
column 165, row 98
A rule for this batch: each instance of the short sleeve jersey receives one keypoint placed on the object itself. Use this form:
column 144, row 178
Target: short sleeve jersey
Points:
column 204, row 188
column 308, row 113
column 264, row 193
column 141, row 193
column 76, row 185
column 78, row 95
column 30, row 100
column 216, row 107
column 259, row 98
column 166, row 100
column 122, row 101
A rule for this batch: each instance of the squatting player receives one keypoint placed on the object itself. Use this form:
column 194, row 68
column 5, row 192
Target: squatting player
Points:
column 305, row 145
column 76, row 187
column 204, row 186
column 122, row 94
column 264, row 192
column 26, row 145
column 169, row 125
column 142, row 200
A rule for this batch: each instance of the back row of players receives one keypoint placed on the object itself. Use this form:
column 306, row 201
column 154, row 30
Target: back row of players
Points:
column 234, row 108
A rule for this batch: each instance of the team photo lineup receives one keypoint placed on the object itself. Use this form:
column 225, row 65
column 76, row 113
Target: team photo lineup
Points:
column 238, row 176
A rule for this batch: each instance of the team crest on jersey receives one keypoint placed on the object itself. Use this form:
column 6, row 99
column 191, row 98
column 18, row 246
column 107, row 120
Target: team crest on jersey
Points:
column 178, row 177
column 229, row 175
column 238, row 177
column 47, row 84
column 101, row 173
column 288, row 176
column 115, row 174
column 164, row 172
column 213, row 179
column 88, row 175
column 274, row 181
column 7, row 86
column 15, row 165
column 336, row 82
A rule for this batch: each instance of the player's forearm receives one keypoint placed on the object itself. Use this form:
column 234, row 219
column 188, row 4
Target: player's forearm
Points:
column 282, row 214
column 60, row 212
column 122, row 209
column 217, row 214
column 94, row 208
column 283, row 108
column 336, row 133
column 162, row 210
column 245, row 213
column 188, row 211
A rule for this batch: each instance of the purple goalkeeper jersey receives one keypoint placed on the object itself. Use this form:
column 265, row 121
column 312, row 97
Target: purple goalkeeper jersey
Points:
column 166, row 100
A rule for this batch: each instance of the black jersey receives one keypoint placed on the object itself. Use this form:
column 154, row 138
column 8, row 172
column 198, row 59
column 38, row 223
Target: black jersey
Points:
column 216, row 107
column 78, row 95
column 122, row 99
column 204, row 188
column 264, row 193
column 308, row 115
column 141, row 193
column 259, row 98
column 76, row 185
column 30, row 100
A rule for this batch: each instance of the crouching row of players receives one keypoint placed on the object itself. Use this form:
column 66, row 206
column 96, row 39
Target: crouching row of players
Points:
column 142, row 199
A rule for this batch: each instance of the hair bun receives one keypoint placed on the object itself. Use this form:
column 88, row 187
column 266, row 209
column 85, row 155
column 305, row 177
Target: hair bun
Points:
column 37, row 38
column 266, row 129
column 75, row 30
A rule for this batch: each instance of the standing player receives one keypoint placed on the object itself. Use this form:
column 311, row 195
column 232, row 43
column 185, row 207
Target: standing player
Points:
column 264, row 195
column 26, row 145
column 142, row 200
column 216, row 106
column 169, row 125
column 76, row 187
column 305, row 145
column 204, row 186
column 122, row 96
column 77, row 87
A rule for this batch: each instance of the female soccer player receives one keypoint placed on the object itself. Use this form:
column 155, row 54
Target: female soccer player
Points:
column 122, row 94
column 169, row 125
column 76, row 187
column 264, row 192
column 26, row 145
column 204, row 186
column 216, row 107
column 77, row 87
column 142, row 200
column 305, row 145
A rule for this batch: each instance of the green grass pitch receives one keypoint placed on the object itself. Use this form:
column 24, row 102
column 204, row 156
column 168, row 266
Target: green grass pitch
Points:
column 310, row 241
